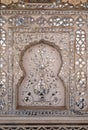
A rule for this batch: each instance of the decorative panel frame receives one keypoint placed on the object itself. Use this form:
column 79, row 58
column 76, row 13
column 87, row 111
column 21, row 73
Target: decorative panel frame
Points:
column 67, row 29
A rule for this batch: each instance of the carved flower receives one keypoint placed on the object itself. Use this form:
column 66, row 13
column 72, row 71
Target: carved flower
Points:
column 7, row 2
column 75, row 2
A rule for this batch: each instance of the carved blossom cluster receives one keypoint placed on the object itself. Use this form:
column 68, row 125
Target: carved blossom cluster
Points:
column 75, row 2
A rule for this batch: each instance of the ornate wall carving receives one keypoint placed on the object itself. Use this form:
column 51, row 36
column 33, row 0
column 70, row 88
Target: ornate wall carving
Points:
column 41, row 85
column 41, row 51
column 45, row 4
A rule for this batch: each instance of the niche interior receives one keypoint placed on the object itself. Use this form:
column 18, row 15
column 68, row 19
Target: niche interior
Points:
column 41, row 85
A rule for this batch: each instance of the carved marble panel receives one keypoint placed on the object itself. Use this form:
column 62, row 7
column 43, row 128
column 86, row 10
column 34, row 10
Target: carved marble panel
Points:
column 51, row 74
column 44, row 67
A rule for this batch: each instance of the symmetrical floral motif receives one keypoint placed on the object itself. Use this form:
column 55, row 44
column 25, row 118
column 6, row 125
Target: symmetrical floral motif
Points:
column 42, row 86
column 64, row 21
column 21, row 21
column 80, row 21
column 51, row 21
column 41, row 21
column 20, row 43
column 80, row 42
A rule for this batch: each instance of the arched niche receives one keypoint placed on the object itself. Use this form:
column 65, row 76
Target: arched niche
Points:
column 41, row 85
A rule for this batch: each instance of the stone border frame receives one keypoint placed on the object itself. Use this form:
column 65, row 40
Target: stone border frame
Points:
column 54, row 4
column 81, row 122
column 69, row 31
column 45, row 126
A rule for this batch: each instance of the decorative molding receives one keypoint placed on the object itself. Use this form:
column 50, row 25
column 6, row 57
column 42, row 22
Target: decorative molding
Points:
column 43, row 127
column 51, row 4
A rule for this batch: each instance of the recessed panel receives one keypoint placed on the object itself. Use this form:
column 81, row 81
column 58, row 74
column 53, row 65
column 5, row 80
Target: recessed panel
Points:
column 41, row 85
